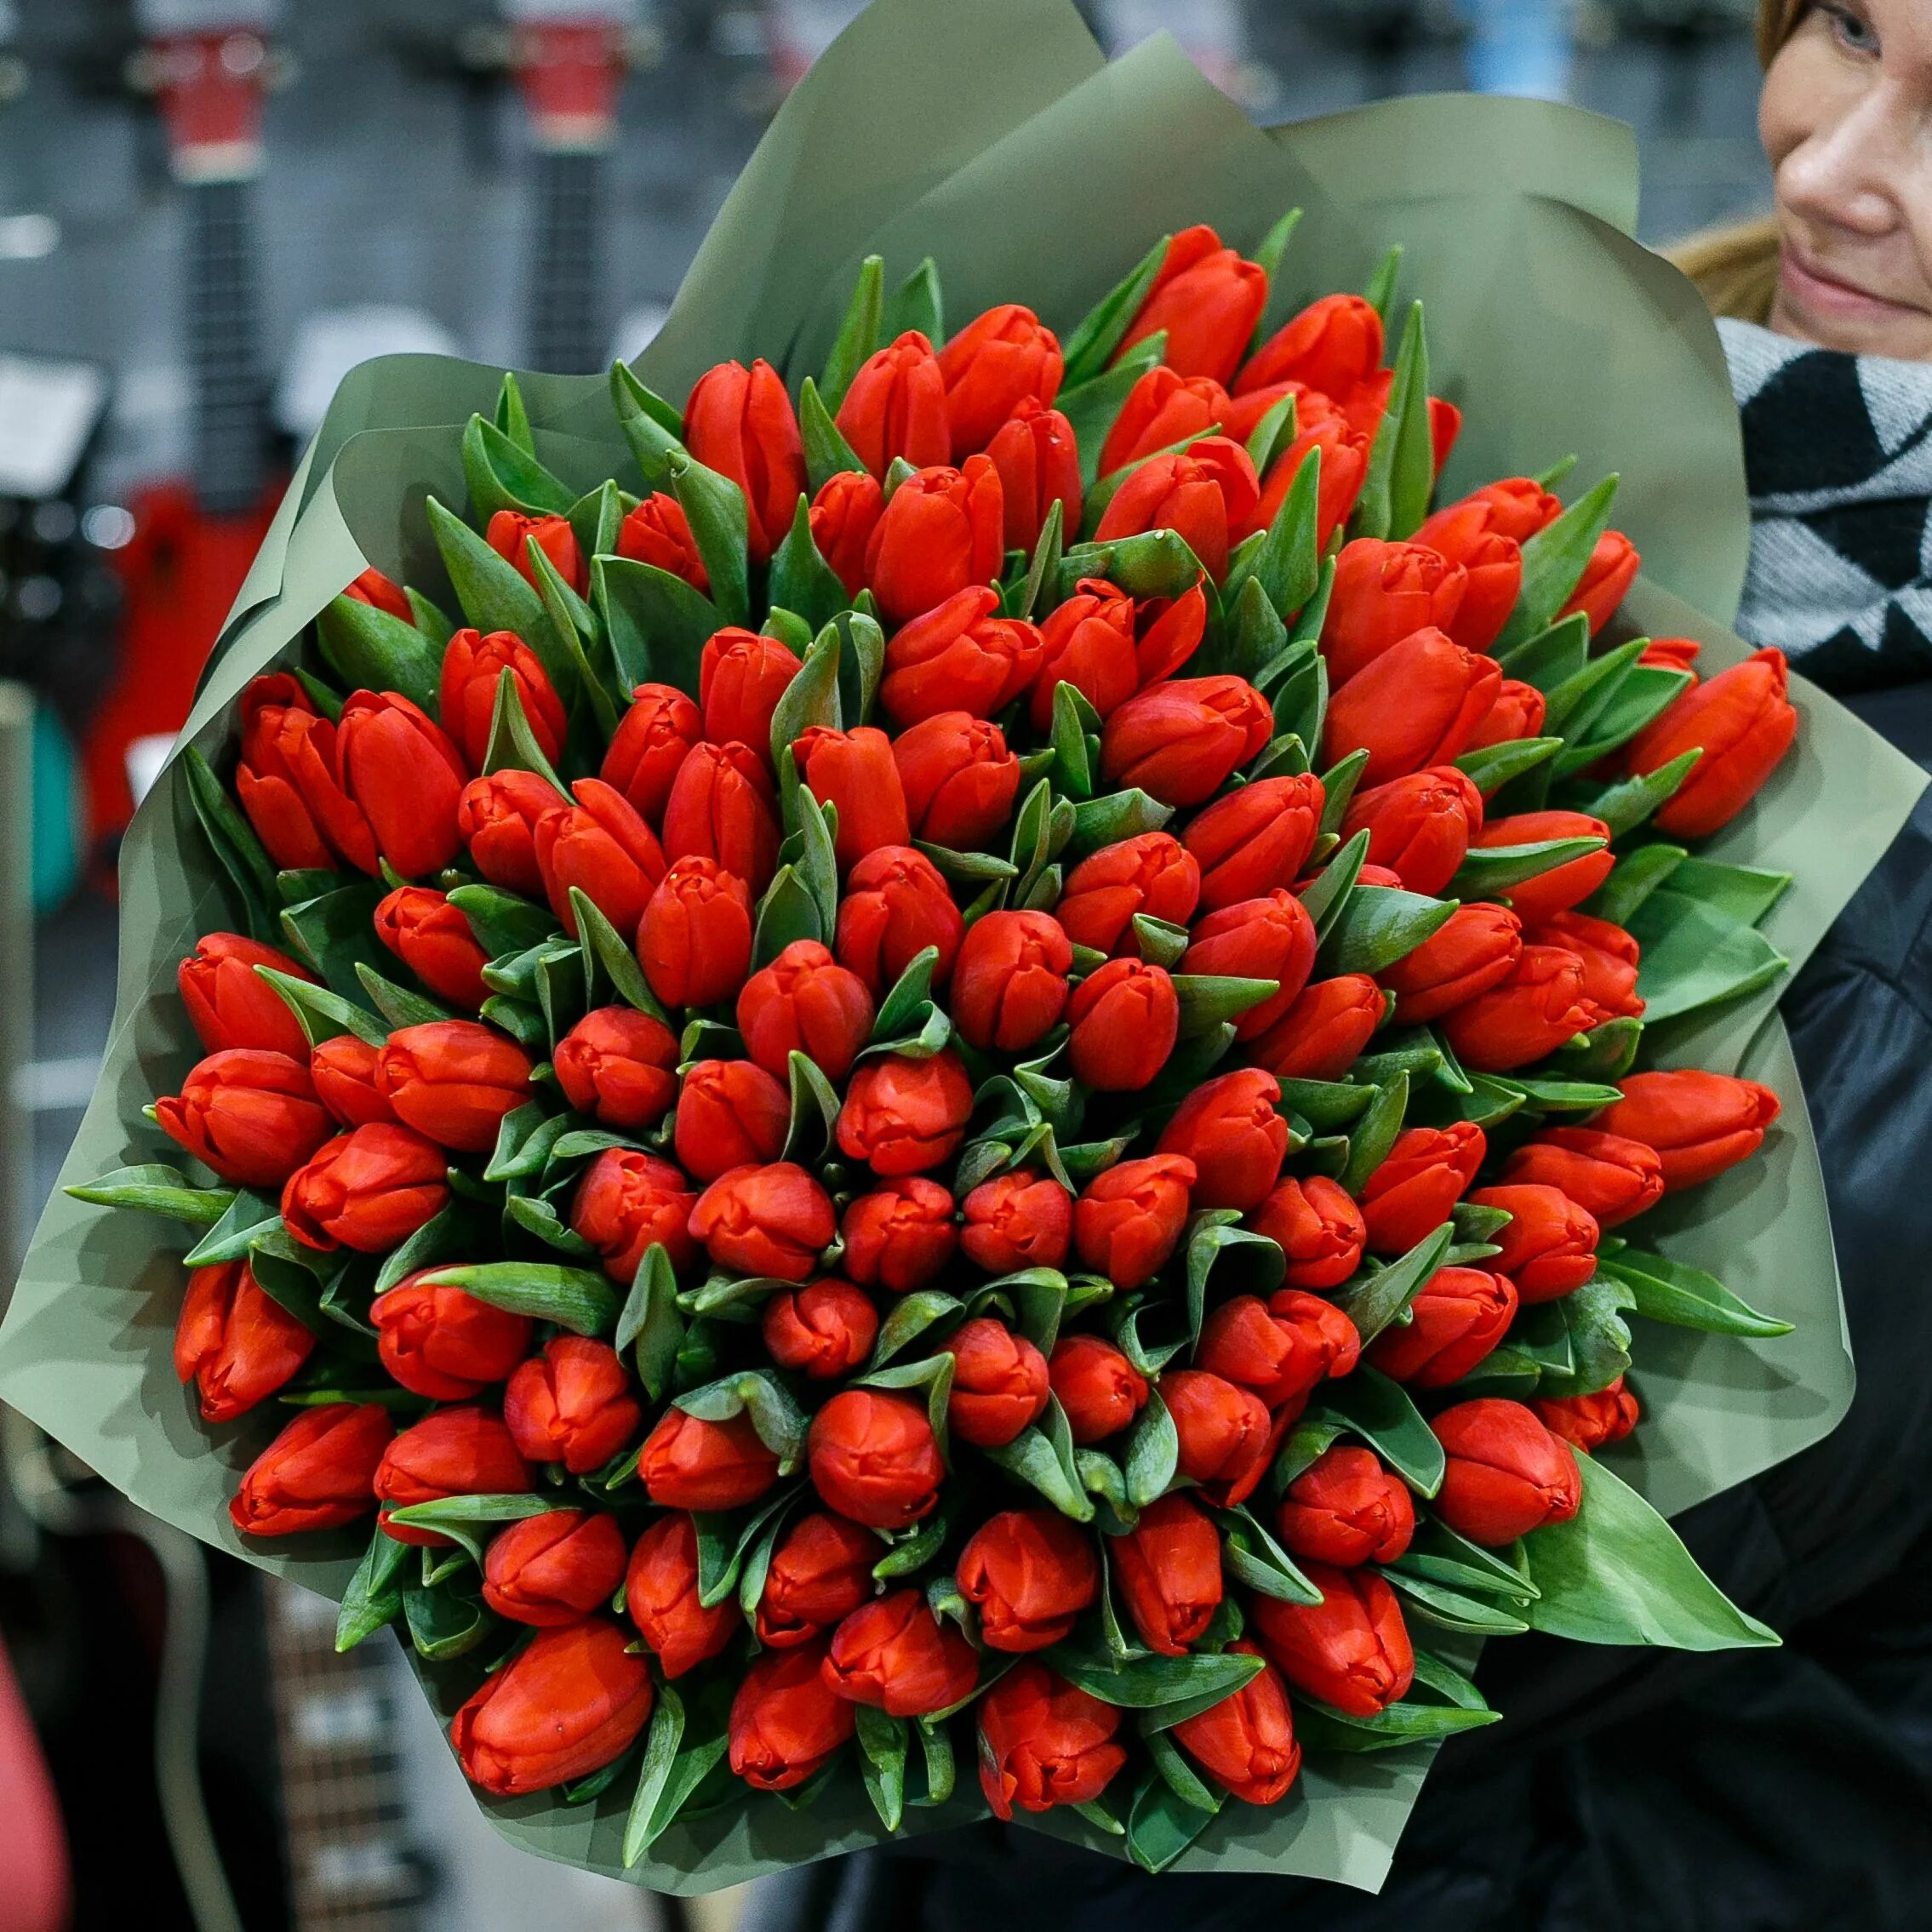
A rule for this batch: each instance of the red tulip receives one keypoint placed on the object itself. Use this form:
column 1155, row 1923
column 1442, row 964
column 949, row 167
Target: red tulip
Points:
column 1088, row 642
column 1209, row 493
column 820, row 1572
column 236, row 1343
column 1226, row 1437
column 1516, row 507
column 686, row 1463
column 1163, row 408
column 372, row 587
column 473, row 667
column 695, row 940
column 1229, row 1128
column 1256, row 839
column 1129, row 1218
column 786, row 1719
column 626, row 1203
column 511, row 533
column 1168, row 1567
column 575, row 1403
column 602, row 846
column 1523, row 1017
column 1029, row 1573
column 1504, row 1474
column 1609, row 956
column 1543, row 897
column 896, row 905
column 440, row 1342
column 765, row 1221
column 905, row 1115
column 1345, row 469
column 844, row 515
column 1151, row 872
column 1611, row 570
column 895, row 1655
column 434, row 940
column 895, row 407
column 731, row 1113
column 1332, row 344
column 1279, row 1349
column 1384, row 592
column 1345, row 1508
column 1325, row 1031
column 1416, row 704
column 1456, row 1320
column 1319, row 1230
column 899, row 1236
column 1246, row 1742
column 658, row 531
column 723, row 807
column 1181, row 740
column 1699, row 1123
column 1018, row 1219
column 289, row 781
column 1126, row 1018
column 1589, row 1421
column 854, row 772
column 1009, row 981
column 317, row 1474
column 959, row 781
column 369, row 1189
column 1549, row 1245
column 1043, row 1743
column 741, row 676
column 1266, row 938
column 1100, row 1389
column 1743, row 724
column 571, row 1702
column 251, row 1116
column 653, row 738
column 957, row 656
column 1672, row 654
column 451, row 1452
column 453, row 1080
column 1209, row 301
column 999, row 1383
column 873, row 1458
column 497, row 818
column 1610, row 1177
column 661, row 1597
column 1518, row 712
column 230, row 1005
column 1478, row 947
column 740, row 422
column 823, row 1331
column 406, row 777
column 942, row 531
column 1350, row 1650
column 1419, row 826
column 1038, row 460
column 1000, row 360
column 805, row 1002
column 554, row 1568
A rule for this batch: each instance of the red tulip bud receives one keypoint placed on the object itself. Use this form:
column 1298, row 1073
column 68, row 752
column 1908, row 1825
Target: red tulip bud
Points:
column 289, row 781
column 895, row 407
column 1207, row 301
column 1608, row 955
column 824, row 1331
column 236, row 1343
column 1419, row 827
column 1126, row 1018
column 1549, row 1245
column 1699, row 1123
column 1246, row 1742
column 406, row 777
column 1332, row 344
column 1256, row 839
column 1029, row 1573
column 1229, row 1128
column 1129, row 1218
column 451, row 1452
column 1608, row 1175
column 723, row 807
column 739, row 422
column 1478, row 948
column 999, row 1383
column 1163, row 408
column 741, row 676
column 1168, row 1567
column 957, row 656
column 855, row 773
column 1456, row 1319
column 686, row 1463
column 1505, row 1474
column 1541, row 898
column 602, row 846
column 1518, row 712
column 372, row 587
column 873, row 1458
column 1038, row 460
column 1181, row 740
column 1345, row 1508
column 896, row 905
column 1208, row 493
column 900, row 1235
column 1588, row 1421
column 1009, row 981
column 511, row 533
column 1227, row 1436
column 694, row 940
column 958, row 780
column 1345, row 469
column 1743, row 724
column 473, row 667
column 658, row 532
column 1611, row 570
column 661, row 1597
column 653, row 738
column 731, row 1114
column 554, row 1568
column 1326, row 1030
column 786, row 1719
column 1426, row 1173
column 1279, row 1348
column 1517, row 507
column 1268, row 938
column 905, row 1115
column 1525, row 1017
column 1018, row 1219
column 575, row 1403
column 1384, row 592
column 317, row 1474
column 895, row 1655
column 820, row 1572
column 626, row 1203
column 765, row 1221
column 251, row 1116
column 453, row 1080
column 805, row 1002
column 1100, row 1389
column 1043, row 1743
column 1000, row 360
column 1418, row 704
column 1150, row 873
column 1350, row 1650
column 434, row 940
column 1319, row 1230
column 439, row 1342
column 370, row 1189
column 497, row 819
column 943, row 531
column 230, row 1006
column 844, row 514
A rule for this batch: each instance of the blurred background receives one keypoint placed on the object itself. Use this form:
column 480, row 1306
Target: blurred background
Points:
column 210, row 210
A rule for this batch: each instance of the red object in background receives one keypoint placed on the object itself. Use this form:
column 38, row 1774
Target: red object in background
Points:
column 570, row 72
column 33, row 1846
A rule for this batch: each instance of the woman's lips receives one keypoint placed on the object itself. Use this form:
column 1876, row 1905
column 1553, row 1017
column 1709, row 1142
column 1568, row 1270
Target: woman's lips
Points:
column 1811, row 287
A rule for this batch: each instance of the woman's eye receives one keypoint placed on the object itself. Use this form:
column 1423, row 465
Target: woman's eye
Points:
column 1853, row 31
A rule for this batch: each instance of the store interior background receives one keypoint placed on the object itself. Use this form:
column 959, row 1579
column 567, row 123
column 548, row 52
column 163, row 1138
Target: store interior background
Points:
column 394, row 206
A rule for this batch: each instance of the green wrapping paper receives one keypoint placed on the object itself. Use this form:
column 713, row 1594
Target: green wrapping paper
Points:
column 994, row 138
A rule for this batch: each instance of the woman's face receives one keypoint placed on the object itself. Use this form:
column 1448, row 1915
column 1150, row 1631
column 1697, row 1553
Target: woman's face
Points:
column 1846, row 119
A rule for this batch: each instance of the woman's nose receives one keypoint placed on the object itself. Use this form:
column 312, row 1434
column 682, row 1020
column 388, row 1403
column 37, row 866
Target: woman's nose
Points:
column 1852, row 171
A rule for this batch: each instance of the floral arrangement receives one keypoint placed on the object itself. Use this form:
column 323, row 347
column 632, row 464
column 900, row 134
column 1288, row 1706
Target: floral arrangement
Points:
column 972, row 1076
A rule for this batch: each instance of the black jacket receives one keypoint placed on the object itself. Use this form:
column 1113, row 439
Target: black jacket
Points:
column 1628, row 1790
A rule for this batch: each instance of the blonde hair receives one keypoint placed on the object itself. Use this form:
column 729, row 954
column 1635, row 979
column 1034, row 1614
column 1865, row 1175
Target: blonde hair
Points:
column 1736, row 268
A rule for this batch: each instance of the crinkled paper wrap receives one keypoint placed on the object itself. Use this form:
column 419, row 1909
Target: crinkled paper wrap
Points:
column 993, row 137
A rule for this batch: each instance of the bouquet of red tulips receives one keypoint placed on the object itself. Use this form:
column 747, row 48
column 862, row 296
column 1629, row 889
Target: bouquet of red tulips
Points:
column 961, row 1067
